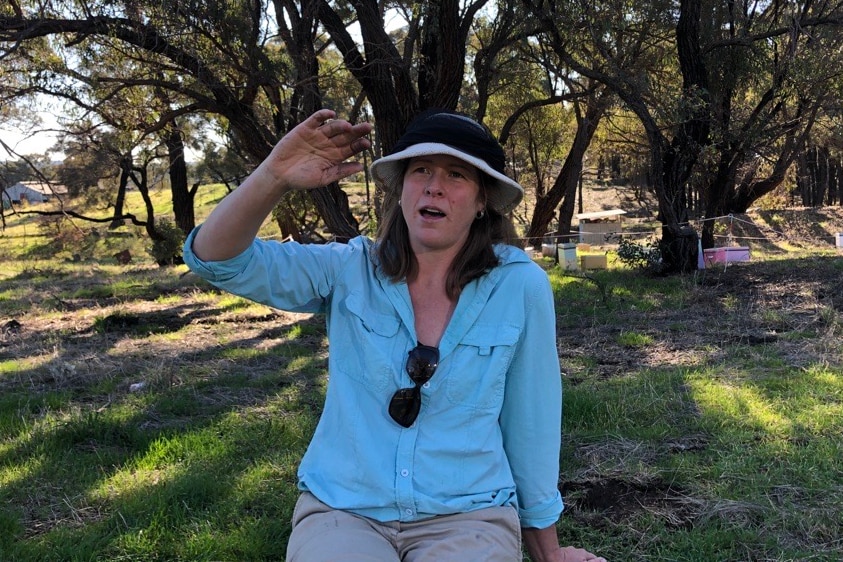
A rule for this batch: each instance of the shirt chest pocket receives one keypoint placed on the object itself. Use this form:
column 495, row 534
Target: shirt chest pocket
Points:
column 478, row 373
column 363, row 343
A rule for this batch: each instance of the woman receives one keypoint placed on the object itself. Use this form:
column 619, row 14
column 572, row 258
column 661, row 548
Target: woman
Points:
column 440, row 434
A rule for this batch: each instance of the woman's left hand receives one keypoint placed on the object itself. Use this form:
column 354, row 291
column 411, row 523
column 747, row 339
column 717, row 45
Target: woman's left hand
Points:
column 543, row 546
column 572, row 554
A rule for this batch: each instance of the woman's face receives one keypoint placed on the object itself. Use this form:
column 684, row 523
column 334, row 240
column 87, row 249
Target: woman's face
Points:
column 440, row 200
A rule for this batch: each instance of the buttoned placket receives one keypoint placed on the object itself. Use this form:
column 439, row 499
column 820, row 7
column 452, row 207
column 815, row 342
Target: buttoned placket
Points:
column 405, row 493
column 468, row 307
column 404, row 463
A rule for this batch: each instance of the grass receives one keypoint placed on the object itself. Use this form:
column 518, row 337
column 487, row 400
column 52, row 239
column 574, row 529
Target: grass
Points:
column 146, row 416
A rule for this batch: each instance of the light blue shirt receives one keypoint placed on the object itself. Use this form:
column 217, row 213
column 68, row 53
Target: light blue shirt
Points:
column 489, row 429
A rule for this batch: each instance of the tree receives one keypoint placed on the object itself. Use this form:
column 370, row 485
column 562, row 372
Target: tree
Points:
column 727, row 94
column 214, row 58
column 86, row 162
column 434, row 50
column 684, row 124
column 219, row 164
column 191, row 59
column 771, row 69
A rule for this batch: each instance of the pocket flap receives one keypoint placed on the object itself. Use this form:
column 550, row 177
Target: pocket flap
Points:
column 385, row 325
column 486, row 336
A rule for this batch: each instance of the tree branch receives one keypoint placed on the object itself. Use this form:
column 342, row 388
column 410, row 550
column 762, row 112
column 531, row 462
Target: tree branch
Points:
column 74, row 214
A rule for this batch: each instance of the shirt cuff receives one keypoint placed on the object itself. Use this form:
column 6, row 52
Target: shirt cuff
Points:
column 542, row 515
column 214, row 271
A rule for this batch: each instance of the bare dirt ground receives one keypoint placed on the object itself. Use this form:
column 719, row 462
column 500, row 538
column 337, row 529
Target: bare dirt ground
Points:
column 753, row 302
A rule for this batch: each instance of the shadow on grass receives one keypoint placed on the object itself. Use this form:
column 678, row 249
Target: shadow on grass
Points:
column 200, row 465
column 718, row 438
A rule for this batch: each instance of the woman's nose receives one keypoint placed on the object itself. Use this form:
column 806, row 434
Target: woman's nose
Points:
column 434, row 186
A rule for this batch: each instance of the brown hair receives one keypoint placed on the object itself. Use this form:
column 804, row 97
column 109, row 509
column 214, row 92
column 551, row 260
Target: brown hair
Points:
column 475, row 258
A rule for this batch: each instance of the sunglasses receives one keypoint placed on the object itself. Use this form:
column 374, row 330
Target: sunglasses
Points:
column 405, row 404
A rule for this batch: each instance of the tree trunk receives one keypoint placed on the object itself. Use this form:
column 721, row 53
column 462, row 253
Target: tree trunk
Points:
column 143, row 188
column 387, row 77
column 679, row 249
column 125, row 170
column 381, row 70
column 679, row 241
column 835, row 195
column 181, row 194
column 330, row 201
column 565, row 187
column 442, row 55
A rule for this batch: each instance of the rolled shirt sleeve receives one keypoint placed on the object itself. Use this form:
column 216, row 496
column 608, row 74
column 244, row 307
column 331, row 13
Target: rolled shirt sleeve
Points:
column 288, row 276
column 531, row 417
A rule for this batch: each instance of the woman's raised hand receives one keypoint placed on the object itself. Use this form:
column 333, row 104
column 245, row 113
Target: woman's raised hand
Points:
column 311, row 155
column 314, row 153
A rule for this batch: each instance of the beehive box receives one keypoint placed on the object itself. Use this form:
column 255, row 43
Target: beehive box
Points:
column 593, row 261
column 567, row 256
column 726, row 254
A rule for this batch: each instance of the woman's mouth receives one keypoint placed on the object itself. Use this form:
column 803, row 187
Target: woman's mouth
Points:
column 431, row 212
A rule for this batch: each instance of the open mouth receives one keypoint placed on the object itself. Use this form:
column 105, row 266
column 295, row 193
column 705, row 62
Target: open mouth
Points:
column 431, row 213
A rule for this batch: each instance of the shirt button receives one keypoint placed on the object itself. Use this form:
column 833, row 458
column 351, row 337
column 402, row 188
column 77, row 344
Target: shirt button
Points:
column 409, row 511
column 426, row 385
column 405, row 472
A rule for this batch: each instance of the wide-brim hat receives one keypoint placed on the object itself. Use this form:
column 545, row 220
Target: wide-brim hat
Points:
column 452, row 134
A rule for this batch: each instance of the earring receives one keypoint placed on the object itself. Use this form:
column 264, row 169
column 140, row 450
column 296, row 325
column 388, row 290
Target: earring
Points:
column 480, row 214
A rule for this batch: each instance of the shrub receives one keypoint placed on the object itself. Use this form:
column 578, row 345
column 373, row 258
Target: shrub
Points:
column 639, row 256
column 166, row 247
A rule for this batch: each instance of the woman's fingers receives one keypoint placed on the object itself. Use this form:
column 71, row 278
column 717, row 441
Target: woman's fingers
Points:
column 343, row 134
column 316, row 151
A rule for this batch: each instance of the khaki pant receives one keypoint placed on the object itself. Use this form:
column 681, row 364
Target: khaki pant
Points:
column 322, row 534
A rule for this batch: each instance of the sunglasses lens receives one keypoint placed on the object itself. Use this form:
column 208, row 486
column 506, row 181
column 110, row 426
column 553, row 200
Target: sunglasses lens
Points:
column 421, row 363
column 405, row 405
column 406, row 402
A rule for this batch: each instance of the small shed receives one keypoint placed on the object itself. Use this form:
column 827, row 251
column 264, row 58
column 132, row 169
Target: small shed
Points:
column 32, row 192
column 601, row 227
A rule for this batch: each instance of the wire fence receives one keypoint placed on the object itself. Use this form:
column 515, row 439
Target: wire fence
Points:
column 731, row 238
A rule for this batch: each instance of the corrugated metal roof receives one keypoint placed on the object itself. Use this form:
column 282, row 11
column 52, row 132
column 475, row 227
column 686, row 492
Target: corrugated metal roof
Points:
column 44, row 188
column 601, row 214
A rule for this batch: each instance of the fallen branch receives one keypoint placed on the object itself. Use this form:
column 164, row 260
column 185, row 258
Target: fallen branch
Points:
column 74, row 214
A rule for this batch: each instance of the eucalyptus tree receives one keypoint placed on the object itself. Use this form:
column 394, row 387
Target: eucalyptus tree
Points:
column 426, row 69
column 586, row 98
column 532, row 106
column 188, row 58
column 531, row 100
column 771, row 68
column 218, row 164
column 626, row 47
column 114, row 122
column 255, row 65
column 819, row 167
column 86, row 164
column 722, row 94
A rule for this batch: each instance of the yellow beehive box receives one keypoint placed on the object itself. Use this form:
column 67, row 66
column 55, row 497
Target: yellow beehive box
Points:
column 593, row 261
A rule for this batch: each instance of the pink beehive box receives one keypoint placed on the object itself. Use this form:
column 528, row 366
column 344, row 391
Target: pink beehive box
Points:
column 727, row 254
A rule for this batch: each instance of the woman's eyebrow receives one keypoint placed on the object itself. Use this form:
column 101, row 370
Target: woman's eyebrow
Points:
column 455, row 163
